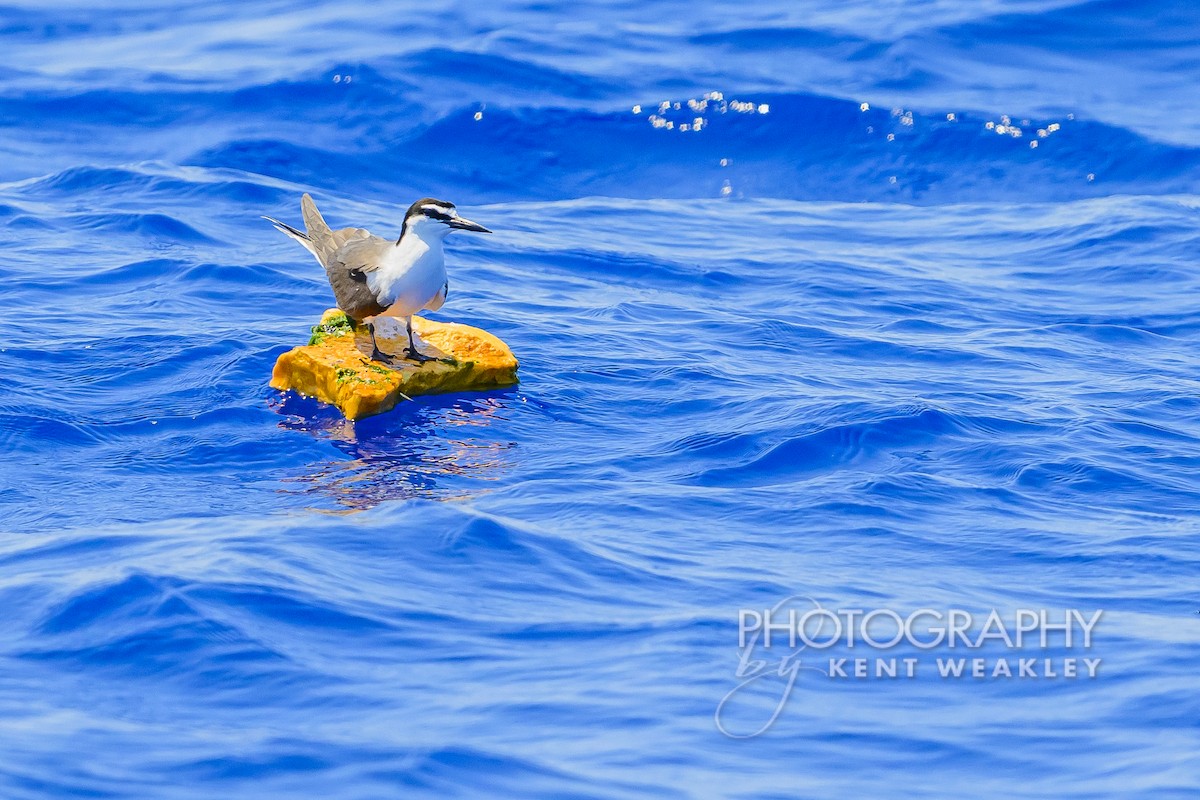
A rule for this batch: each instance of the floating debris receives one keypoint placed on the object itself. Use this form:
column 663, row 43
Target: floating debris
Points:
column 334, row 369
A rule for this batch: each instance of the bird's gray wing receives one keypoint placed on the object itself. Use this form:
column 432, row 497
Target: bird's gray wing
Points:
column 330, row 245
column 347, row 256
column 358, row 253
column 341, row 246
column 347, row 270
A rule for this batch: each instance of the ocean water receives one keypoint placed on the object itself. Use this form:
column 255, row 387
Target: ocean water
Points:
column 874, row 305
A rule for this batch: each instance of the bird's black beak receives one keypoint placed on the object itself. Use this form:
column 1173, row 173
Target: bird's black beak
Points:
column 458, row 223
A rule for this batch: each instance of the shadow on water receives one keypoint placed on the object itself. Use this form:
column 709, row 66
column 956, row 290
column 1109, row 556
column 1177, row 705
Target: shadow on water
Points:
column 435, row 447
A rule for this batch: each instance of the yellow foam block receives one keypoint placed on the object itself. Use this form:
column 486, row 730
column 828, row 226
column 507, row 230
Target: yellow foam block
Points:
column 334, row 368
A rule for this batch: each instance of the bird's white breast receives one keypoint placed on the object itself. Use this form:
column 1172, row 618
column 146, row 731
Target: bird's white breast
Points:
column 410, row 276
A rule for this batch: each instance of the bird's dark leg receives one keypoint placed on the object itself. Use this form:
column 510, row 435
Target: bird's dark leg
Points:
column 376, row 353
column 411, row 353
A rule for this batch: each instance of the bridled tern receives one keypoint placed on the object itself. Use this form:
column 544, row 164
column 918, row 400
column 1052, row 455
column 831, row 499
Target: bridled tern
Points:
column 372, row 276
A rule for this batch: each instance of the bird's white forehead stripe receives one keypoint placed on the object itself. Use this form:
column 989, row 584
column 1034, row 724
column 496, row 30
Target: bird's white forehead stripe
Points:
column 441, row 209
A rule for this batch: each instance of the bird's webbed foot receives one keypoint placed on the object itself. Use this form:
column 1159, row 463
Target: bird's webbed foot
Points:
column 412, row 355
column 382, row 357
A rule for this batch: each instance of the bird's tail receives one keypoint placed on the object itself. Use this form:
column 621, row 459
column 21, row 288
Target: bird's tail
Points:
column 288, row 230
column 317, row 229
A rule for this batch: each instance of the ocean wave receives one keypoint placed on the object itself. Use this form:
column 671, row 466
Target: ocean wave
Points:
column 795, row 146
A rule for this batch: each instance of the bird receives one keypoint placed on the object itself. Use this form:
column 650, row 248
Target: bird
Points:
column 372, row 276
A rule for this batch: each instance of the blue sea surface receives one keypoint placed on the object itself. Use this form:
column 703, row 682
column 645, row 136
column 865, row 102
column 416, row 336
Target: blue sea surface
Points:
column 880, row 305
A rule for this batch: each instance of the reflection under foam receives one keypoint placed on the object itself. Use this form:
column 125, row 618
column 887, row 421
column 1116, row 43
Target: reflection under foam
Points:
column 409, row 452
